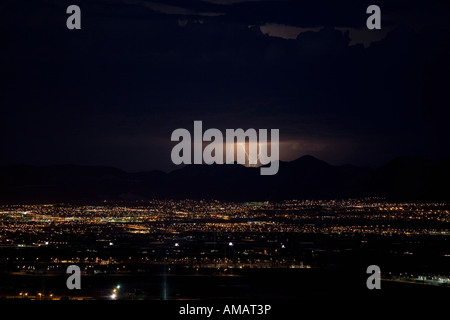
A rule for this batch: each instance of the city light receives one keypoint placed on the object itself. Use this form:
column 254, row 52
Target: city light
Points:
column 200, row 236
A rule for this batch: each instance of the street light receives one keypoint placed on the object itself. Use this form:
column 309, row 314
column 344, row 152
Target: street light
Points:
column 113, row 296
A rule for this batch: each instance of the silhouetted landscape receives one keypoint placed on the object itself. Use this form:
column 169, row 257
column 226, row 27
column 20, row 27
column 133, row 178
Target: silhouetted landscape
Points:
column 405, row 178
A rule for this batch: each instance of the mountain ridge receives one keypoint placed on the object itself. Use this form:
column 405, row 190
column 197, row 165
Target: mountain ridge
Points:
column 403, row 178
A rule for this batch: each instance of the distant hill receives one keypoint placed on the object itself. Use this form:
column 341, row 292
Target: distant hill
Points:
column 304, row 178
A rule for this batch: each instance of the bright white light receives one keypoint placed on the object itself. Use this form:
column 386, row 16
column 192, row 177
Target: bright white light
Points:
column 113, row 296
column 111, row 243
column 177, row 244
column 230, row 244
column 46, row 243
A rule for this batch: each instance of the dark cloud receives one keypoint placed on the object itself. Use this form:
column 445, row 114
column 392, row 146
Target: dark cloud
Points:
column 112, row 92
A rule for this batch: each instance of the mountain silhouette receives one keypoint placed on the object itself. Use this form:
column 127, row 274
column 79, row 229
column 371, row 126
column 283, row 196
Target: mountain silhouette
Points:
column 405, row 178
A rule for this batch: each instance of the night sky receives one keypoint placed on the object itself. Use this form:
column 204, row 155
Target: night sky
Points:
column 113, row 92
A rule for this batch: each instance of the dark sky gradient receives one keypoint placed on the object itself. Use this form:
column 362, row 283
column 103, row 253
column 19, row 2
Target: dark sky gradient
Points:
column 113, row 92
